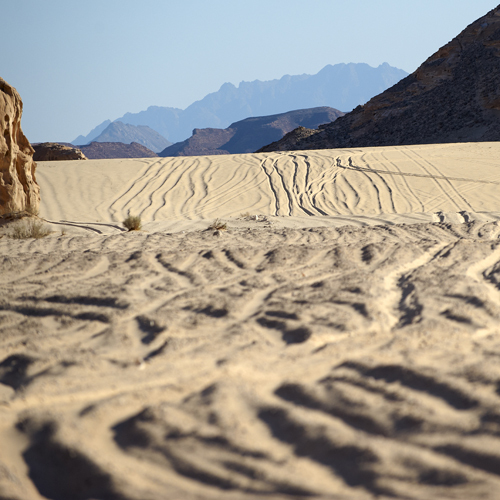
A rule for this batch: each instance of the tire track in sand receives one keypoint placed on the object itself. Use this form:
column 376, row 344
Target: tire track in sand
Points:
column 420, row 162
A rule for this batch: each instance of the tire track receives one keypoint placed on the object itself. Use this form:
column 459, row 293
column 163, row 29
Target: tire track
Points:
column 271, row 184
column 391, row 285
column 444, row 192
column 447, row 179
column 384, row 182
column 405, row 181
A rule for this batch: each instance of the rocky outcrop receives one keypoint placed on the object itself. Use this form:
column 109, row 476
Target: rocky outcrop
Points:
column 288, row 142
column 110, row 150
column 18, row 187
column 250, row 134
column 454, row 96
column 53, row 151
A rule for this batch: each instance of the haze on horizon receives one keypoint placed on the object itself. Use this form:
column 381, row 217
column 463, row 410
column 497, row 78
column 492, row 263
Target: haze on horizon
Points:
column 77, row 63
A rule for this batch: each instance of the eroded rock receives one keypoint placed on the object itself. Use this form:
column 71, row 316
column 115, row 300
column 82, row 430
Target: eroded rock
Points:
column 18, row 187
column 52, row 151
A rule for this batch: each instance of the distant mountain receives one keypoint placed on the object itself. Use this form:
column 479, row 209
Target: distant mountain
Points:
column 126, row 133
column 342, row 86
column 81, row 139
column 454, row 96
column 250, row 134
column 103, row 150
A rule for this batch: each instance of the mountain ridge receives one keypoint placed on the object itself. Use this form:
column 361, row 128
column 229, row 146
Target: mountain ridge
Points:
column 340, row 86
column 245, row 136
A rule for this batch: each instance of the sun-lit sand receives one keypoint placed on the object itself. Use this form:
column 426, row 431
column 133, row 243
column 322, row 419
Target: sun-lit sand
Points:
column 340, row 340
column 365, row 186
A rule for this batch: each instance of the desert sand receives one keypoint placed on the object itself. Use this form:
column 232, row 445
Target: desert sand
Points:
column 340, row 340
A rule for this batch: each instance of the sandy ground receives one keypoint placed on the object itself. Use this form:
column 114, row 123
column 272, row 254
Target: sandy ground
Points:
column 343, row 344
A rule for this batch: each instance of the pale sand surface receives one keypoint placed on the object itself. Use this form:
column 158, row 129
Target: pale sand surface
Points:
column 430, row 183
column 344, row 345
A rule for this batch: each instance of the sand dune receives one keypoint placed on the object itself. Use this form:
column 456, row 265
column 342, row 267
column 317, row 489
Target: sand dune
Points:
column 344, row 345
column 418, row 183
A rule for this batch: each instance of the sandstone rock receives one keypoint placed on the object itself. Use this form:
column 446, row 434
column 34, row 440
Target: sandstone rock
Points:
column 52, row 151
column 18, row 187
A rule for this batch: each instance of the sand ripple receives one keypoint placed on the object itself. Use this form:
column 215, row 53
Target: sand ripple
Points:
column 257, row 363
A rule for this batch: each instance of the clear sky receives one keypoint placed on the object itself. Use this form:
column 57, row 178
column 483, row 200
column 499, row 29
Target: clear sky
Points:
column 77, row 63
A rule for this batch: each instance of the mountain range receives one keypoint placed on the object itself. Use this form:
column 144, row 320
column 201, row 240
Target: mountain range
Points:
column 247, row 135
column 454, row 96
column 340, row 86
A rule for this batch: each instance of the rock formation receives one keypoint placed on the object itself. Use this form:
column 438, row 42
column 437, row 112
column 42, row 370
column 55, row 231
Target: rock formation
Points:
column 454, row 96
column 110, row 150
column 18, row 187
column 250, row 134
column 53, row 151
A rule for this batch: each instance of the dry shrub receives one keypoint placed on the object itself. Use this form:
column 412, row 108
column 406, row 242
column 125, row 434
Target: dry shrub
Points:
column 132, row 223
column 218, row 225
column 29, row 228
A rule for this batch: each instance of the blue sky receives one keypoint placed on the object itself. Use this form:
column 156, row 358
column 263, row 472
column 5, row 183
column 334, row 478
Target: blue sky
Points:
column 77, row 63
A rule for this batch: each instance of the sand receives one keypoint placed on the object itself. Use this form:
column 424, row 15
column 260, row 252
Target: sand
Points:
column 340, row 340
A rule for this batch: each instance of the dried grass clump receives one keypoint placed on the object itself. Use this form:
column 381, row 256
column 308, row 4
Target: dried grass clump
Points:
column 133, row 223
column 29, row 228
column 218, row 225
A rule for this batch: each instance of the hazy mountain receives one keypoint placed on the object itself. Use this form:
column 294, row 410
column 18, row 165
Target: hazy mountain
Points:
column 126, row 133
column 454, row 96
column 85, row 139
column 100, row 150
column 342, row 86
column 250, row 134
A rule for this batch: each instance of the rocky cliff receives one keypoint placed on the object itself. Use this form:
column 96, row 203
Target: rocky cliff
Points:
column 18, row 187
column 454, row 96
column 250, row 134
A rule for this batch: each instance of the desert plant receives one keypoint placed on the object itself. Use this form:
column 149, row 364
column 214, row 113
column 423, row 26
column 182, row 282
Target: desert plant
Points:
column 218, row 225
column 29, row 228
column 132, row 223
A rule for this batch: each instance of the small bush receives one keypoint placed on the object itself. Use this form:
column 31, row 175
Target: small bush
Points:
column 218, row 225
column 132, row 223
column 30, row 228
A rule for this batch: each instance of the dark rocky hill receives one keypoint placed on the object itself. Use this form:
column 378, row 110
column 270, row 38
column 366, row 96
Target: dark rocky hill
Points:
column 454, row 96
column 103, row 150
column 340, row 86
column 250, row 134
